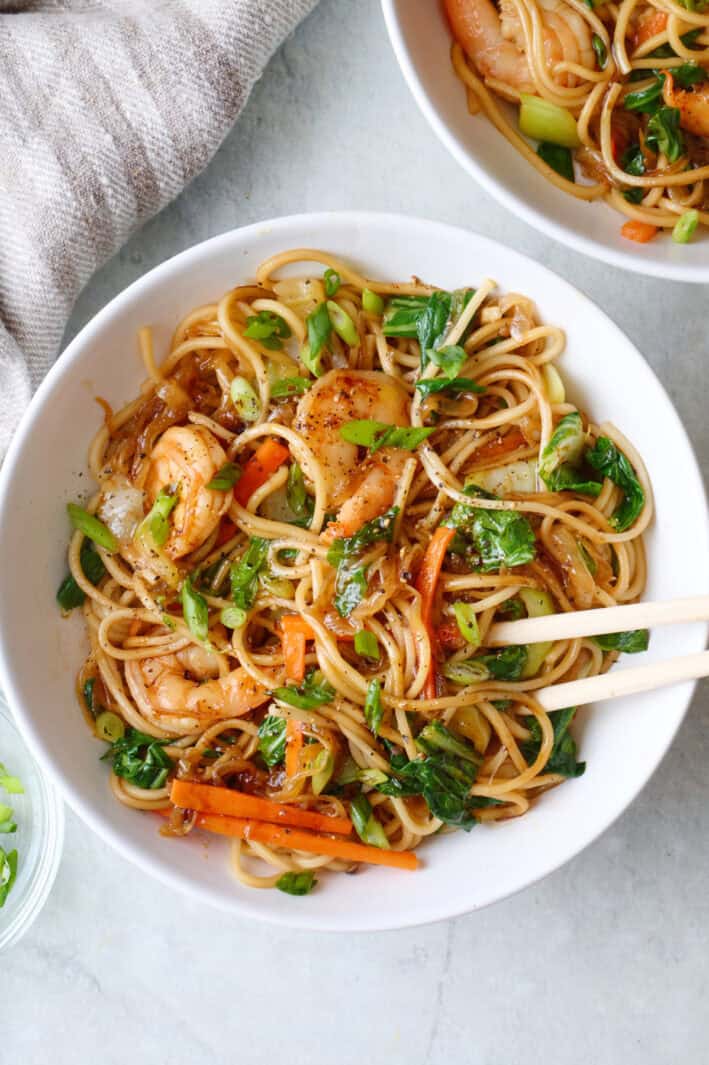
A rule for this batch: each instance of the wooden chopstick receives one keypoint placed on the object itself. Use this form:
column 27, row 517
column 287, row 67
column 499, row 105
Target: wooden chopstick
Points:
column 621, row 682
column 567, row 626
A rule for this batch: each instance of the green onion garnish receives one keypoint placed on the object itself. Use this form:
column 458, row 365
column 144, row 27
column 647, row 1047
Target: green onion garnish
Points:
column 233, row 617
column 109, row 727
column 225, row 478
column 342, row 324
column 467, row 622
column 247, row 403
column 372, row 302
column 195, row 611
column 332, row 282
column 90, row 526
column 685, row 227
column 367, row 645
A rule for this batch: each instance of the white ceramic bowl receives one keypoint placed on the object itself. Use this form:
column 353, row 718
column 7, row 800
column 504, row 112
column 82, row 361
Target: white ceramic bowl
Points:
column 40, row 652
column 421, row 39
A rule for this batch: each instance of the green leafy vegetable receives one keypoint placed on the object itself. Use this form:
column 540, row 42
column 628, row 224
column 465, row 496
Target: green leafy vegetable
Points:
column 272, row 740
column 298, row 498
column 424, row 318
column 664, row 133
column 506, row 664
column 511, row 610
column 449, row 359
column 543, row 120
column 69, row 594
column 285, row 387
column 455, row 386
column 435, row 738
column 269, row 328
column 666, row 51
column 195, row 610
column 332, row 281
column 495, row 537
column 373, row 709
column 559, row 466
column 139, row 759
column 92, row 527
column 645, row 100
column 631, row 642
column 313, row 692
column 243, row 574
column 8, row 873
column 371, row 434
column 225, row 478
column 558, row 158
column 367, row 645
column 297, row 883
column 633, row 161
column 351, row 580
column 609, row 461
column 563, row 755
column 367, row 827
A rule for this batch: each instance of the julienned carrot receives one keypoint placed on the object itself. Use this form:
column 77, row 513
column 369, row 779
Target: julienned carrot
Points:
column 426, row 583
column 640, row 232
column 213, row 799
column 296, row 631
column 294, row 744
column 265, row 460
column 275, row 836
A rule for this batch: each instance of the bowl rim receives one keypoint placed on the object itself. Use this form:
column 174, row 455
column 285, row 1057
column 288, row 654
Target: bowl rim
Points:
column 31, row 734
column 625, row 260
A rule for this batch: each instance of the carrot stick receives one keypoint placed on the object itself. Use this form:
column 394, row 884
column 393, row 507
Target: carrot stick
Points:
column 212, row 799
column 296, row 631
column 265, row 460
column 640, row 232
column 275, row 836
column 294, row 743
column 426, row 583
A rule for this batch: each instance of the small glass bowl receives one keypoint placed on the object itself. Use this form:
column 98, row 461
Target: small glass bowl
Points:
column 39, row 837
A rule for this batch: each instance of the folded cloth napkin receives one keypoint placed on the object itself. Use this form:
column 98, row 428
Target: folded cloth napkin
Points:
column 107, row 109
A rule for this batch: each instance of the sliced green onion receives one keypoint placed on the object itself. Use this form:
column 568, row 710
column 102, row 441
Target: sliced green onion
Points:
column 233, row 617
column 109, row 727
column 247, row 403
column 319, row 329
column 156, row 521
column 290, row 386
column 600, row 50
column 545, row 121
column 268, row 328
column 297, row 883
column 90, row 526
column 7, row 821
column 195, row 610
column 332, row 282
column 322, row 771
column 373, row 709
column 685, row 227
column 281, row 587
column 342, row 324
column 367, row 645
column 368, row 828
column 12, row 785
column 467, row 622
column 372, row 302
column 225, row 478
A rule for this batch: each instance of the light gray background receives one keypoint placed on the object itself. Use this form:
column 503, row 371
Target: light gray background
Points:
column 606, row 960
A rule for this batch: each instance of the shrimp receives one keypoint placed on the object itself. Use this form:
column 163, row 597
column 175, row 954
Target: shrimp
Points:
column 188, row 457
column 496, row 44
column 693, row 105
column 183, row 692
column 361, row 491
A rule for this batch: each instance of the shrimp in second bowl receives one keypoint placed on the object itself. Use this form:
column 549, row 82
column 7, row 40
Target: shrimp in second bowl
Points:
column 359, row 491
column 693, row 105
column 494, row 39
column 182, row 692
column 187, row 458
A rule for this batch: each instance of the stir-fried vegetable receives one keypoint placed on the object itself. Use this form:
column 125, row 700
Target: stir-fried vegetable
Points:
column 455, row 386
column 298, row 498
column 268, row 328
column 297, row 883
column 449, row 359
column 507, row 663
column 371, row 434
column 544, row 121
column 371, row 302
column 319, row 329
column 92, row 527
column 342, row 323
column 245, row 400
column 8, row 873
column 69, row 594
column 373, row 708
column 560, row 462
column 156, row 523
column 272, row 740
column 351, row 580
column 195, row 610
column 268, row 457
column 244, row 573
column 608, row 460
column 367, row 645
column 685, row 227
column 367, row 827
column 664, row 134
column 631, row 642
column 214, row 799
column 562, row 759
column 491, row 538
column 285, row 387
column 467, row 622
column 313, row 692
column 331, row 282
column 139, row 759
column 558, row 158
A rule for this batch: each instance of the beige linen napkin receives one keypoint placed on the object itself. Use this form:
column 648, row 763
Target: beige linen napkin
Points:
column 107, row 109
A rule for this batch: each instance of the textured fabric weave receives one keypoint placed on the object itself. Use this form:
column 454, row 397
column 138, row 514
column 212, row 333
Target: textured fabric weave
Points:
column 107, row 110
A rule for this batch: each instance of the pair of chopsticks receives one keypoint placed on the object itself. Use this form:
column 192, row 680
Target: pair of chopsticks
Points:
column 599, row 622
